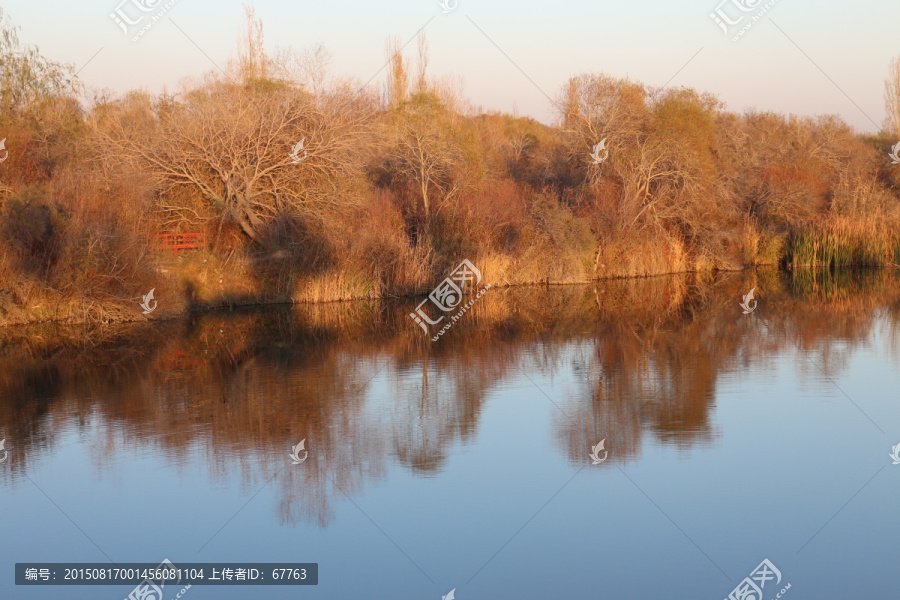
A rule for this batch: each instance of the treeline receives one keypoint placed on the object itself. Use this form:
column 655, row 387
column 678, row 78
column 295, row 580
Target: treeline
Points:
column 311, row 187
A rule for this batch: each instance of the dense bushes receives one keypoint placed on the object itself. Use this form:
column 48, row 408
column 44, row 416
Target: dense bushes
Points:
column 386, row 195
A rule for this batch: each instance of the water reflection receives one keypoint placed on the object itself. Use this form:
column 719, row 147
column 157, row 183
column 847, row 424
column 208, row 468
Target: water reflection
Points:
column 365, row 388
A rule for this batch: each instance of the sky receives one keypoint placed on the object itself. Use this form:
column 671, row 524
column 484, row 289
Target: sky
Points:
column 804, row 57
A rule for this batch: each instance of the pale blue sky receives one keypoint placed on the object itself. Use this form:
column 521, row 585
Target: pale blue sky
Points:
column 648, row 40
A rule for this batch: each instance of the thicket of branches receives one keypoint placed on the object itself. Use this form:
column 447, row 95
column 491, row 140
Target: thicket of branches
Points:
column 389, row 190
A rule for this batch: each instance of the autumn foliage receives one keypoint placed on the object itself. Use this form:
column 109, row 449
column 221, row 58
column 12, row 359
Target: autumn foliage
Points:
column 388, row 191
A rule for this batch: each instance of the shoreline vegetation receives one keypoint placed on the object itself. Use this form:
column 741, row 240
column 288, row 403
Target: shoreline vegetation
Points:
column 309, row 188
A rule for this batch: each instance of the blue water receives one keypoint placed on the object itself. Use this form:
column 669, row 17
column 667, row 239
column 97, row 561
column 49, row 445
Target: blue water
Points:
column 732, row 438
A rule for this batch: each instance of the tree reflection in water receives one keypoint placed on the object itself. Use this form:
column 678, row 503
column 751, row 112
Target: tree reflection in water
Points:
column 364, row 386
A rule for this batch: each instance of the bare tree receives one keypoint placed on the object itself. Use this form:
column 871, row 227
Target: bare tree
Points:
column 422, row 66
column 307, row 68
column 250, row 153
column 645, row 164
column 237, row 149
column 892, row 98
column 429, row 151
column 252, row 61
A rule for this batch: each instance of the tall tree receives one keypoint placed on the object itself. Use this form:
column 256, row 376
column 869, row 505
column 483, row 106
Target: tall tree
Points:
column 252, row 61
column 398, row 75
column 430, row 151
column 892, row 98
column 26, row 76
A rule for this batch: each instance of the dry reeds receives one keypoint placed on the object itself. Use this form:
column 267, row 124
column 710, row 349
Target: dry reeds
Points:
column 839, row 243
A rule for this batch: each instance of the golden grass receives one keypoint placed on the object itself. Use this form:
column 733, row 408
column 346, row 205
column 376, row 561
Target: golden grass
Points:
column 841, row 242
column 759, row 247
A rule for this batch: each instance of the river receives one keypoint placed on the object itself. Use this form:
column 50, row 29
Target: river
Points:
column 466, row 463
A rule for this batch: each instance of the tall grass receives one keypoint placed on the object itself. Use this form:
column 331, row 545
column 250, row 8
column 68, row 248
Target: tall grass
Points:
column 895, row 249
column 839, row 243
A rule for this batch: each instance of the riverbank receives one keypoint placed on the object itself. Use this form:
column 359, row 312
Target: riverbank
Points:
column 198, row 282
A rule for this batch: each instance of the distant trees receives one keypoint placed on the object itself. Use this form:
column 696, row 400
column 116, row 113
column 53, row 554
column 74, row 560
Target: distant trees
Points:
column 382, row 191
column 694, row 176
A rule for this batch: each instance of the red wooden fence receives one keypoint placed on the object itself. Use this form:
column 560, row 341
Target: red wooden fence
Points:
column 181, row 241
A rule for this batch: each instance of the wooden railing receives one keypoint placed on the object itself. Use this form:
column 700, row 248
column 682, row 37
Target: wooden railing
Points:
column 181, row 241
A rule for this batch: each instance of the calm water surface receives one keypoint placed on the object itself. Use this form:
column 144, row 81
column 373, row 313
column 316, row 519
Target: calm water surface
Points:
column 465, row 463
